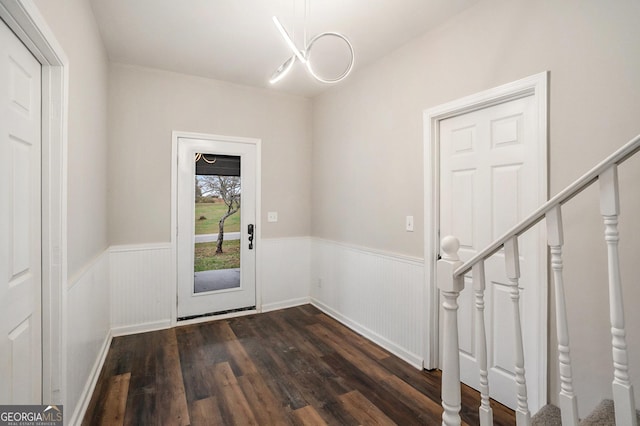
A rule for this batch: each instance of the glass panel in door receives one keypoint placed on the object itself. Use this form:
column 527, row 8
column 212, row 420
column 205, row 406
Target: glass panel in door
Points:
column 217, row 223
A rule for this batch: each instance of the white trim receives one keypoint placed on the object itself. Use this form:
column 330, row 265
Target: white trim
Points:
column 375, row 252
column 140, row 328
column 23, row 17
column 92, row 380
column 209, row 318
column 139, row 247
column 87, row 268
column 536, row 86
column 176, row 135
column 411, row 358
column 268, row 307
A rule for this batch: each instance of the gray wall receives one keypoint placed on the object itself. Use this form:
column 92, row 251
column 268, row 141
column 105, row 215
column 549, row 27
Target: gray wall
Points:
column 368, row 142
column 146, row 105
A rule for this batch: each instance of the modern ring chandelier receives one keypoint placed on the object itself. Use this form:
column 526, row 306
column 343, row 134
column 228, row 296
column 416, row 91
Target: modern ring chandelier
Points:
column 304, row 56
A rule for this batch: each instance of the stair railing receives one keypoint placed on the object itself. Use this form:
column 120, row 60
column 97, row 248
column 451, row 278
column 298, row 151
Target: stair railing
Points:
column 451, row 271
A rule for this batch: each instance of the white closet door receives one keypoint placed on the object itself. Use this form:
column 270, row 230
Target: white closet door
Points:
column 20, row 223
column 489, row 176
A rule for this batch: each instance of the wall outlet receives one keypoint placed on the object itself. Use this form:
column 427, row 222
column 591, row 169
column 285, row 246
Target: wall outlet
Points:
column 272, row 216
column 409, row 224
column 319, row 282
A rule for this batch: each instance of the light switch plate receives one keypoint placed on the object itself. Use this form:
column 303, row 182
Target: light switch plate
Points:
column 409, row 225
column 272, row 216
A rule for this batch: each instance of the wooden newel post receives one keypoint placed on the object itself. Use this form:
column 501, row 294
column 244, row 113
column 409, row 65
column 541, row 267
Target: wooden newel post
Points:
column 450, row 288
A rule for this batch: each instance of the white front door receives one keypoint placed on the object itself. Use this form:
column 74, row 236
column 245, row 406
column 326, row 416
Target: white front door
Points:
column 20, row 223
column 213, row 285
column 489, row 181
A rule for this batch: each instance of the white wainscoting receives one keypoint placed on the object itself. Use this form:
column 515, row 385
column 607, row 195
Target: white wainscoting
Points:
column 142, row 284
column 379, row 295
column 88, row 333
column 284, row 272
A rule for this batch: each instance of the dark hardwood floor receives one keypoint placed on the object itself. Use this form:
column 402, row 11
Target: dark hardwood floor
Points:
column 288, row 367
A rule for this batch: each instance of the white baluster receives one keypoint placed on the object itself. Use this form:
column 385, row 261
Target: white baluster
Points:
column 485, row 412
column 622, row 389
column 555, row 238
column 450, row 289
column 512, row 260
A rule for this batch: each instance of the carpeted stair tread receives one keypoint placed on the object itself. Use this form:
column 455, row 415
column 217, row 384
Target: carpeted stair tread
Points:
column 549, row 415
column 603, row 415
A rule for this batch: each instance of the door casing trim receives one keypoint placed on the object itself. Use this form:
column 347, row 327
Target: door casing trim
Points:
column 25, row 20
column 176, row 135
column 536, row 86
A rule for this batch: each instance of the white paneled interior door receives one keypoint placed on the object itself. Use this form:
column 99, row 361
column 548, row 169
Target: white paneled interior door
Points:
column 20, row 223
column 489, row 180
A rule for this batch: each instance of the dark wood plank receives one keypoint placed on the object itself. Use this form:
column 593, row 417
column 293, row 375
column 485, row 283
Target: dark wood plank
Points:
column 370, row 388
column 293, row 366
column 265, row 405
column 427, row 382
column 205, row 412
column 236, row 409
column 116, row 401
column 313, row 381
column 141, row 407
column 316, row 382
column 352, row 354
column 363, row 410
column 193, row 362
column 308, row 416
column 172, row 400
column 266, row 350
column 431, row 411
column 236, row 350
column 361, row 343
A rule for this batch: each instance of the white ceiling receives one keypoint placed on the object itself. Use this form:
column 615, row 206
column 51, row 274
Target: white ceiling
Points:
column 236, row 41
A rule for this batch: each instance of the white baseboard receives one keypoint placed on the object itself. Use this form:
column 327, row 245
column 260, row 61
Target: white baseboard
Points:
column 413, row 359
column 92, row 380
column 140, row 328
column 285, row 304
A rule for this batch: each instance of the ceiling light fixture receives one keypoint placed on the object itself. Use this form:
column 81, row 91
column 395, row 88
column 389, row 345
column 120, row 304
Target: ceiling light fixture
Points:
column 282, row 70
column 287, row 39
column 305, row 55
column 308, row 54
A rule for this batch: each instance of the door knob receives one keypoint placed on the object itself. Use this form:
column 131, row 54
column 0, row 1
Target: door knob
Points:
column 250, row 231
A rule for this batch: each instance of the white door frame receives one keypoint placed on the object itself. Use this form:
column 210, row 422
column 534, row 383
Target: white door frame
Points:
column 24, row 19
column 535, row 86
column 176, row 135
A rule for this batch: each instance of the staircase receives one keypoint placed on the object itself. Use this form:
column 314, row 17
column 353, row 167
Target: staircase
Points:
column 451, row 272
column 603, row 415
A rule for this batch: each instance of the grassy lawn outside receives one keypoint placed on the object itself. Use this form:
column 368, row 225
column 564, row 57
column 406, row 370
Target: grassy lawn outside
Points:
column 213, row 212
column 205, row 258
